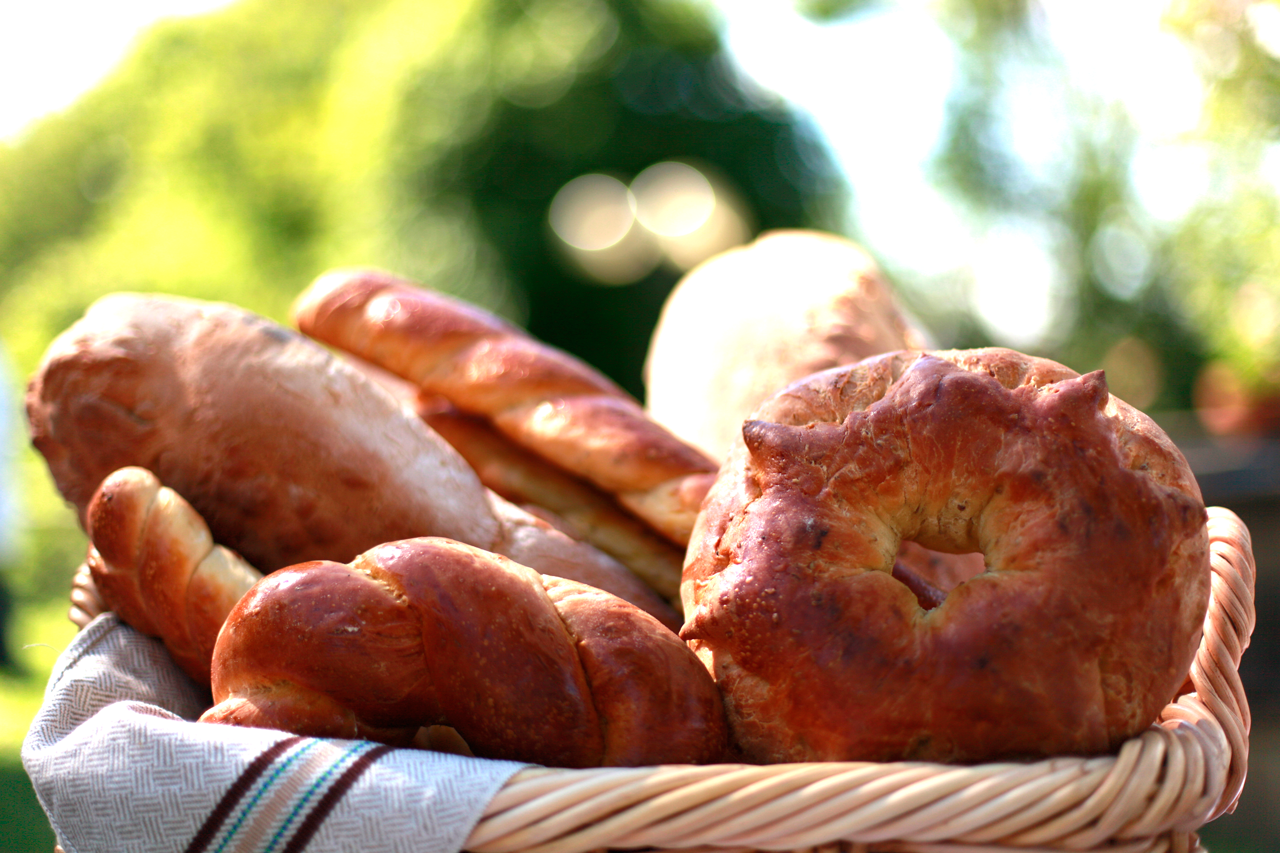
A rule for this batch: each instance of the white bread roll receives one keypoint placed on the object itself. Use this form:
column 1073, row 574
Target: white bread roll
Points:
column 751, row 320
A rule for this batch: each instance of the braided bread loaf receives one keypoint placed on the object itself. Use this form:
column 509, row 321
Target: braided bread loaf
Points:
column 86, row 601
column 540, row 397
column 428, row 631
column 288, row 453
column 154, row 562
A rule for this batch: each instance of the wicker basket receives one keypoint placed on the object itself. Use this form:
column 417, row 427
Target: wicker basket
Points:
column 1152, row 795
column 1159, row 788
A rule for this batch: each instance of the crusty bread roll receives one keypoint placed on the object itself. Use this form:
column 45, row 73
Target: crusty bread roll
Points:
column 749, row 321
column 566, row 502
column 288, row 453
column 155, row 564
column 541, row 398
column 86, row 601
column 1082, row 628
column 563, row 500
column 429, row 631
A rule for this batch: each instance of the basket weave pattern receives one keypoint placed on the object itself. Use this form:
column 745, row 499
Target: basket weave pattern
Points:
column 1151, row 796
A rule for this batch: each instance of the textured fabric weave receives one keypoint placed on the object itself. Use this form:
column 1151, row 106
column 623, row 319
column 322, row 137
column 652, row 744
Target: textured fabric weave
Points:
column 118, row 765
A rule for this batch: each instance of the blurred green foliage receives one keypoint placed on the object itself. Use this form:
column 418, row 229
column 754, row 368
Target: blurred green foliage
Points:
column 238, row 155
column 22, row 821
column 1225, row 256
column 1004, row 42
column 1209, row 285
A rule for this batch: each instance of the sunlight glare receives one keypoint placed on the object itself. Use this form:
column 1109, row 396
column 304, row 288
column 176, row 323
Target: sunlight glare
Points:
column 1131, row 60
column 60, row 49
column 672, row 199
column 1019, row 286
column 1264, row 20
column 876, row 84
column 592, row 212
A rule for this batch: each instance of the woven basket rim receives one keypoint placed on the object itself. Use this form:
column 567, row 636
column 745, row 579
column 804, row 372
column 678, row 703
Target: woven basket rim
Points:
column 1187, row 769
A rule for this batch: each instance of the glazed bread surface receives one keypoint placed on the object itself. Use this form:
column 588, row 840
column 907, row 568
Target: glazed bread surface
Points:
column 288, row 453
column 1081, row 628
column 541, row 398
column 154, row 563
column 431, row 632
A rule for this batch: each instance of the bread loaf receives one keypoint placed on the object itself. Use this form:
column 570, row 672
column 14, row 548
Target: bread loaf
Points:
column 541, row 398
column 568, row 503
column 747, row 322
column 429, row 631
column 288, row 453
column 86, row 601
column 155, row 564
column 1080, row 630
column 537, row 486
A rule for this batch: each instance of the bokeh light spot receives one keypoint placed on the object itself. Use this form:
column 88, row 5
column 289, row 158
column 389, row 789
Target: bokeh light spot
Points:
column 1020, row 286
column 1121, row 258
column 1134, row 372
column 685, row 215
column 1255, row 313
column 592, row 212
column 672, row 199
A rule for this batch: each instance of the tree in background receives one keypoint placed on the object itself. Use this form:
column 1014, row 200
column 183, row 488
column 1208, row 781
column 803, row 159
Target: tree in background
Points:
column 1225, row 255
column 238, row 155
column 1156, row 210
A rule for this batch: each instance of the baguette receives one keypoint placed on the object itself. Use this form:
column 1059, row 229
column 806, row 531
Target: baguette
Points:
column 541, row 398
column 288, row 453
column 562, row 499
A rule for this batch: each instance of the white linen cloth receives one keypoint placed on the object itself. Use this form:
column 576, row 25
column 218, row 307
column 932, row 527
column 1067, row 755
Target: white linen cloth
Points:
column 119, row 764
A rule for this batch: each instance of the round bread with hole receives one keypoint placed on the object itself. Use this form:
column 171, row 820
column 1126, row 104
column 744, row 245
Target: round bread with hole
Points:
column 1081, row 628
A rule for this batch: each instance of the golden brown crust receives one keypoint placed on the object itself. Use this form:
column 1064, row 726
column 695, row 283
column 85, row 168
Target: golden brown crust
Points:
column 566, row 502
column 429, row 632
column 154, row 563
column 1091, row 524
column 538, row 486
column 540, row 397
column 287, row 452
column 532, row 541
column 86, row 601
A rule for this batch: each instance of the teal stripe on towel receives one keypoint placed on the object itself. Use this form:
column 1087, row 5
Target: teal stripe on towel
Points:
column 321, row 780
column 266, row 786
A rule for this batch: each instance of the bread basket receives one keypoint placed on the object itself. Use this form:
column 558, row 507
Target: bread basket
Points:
column 1152, row 795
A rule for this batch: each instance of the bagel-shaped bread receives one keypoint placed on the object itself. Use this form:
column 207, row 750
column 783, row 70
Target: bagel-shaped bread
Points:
column 1082, row 627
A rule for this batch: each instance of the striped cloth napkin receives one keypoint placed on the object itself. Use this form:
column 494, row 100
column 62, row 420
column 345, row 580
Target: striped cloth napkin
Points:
column 118, row 765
